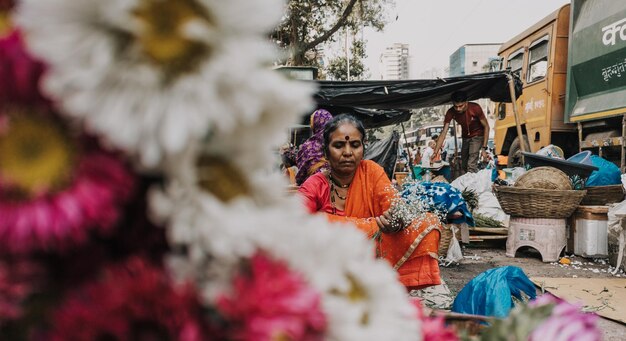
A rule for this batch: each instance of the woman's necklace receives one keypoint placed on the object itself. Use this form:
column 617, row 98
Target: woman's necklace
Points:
column 339, row 196
column 333, row 192
column 336, row 183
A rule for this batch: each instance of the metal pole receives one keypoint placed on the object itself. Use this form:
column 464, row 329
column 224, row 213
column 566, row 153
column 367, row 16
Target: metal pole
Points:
column 520, row 136
column 622, row 156
column 408, row 152
column 347, row 57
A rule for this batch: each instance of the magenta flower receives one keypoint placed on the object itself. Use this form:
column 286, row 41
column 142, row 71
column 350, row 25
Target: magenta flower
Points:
column 566, row 322
column 55, row 186
column 270, row 302
column 433, row 328
column 18, row 279
column 58, row 220
column 19, row 71
column 131, row 301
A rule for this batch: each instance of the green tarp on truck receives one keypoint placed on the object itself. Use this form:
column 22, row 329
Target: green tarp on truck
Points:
column 596, row 86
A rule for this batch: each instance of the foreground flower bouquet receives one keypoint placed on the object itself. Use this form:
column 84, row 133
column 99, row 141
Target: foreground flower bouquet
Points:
column 135, row 202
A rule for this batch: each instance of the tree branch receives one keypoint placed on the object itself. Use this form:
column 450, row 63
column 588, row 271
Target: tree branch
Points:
column 346, row 13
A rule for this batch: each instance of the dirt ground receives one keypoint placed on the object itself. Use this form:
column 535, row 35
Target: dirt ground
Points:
column 479, row 257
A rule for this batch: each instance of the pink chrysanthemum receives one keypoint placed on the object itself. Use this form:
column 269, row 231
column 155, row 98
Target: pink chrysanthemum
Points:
column 566, row 322
column 134, row 301
column 433, row 328
column 18, row 278
column 54, row 187
column 55, row 220
column 270, row 302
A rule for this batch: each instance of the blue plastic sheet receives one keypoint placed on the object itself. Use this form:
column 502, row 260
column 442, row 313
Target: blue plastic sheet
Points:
column 607, row 174
column 491, row 293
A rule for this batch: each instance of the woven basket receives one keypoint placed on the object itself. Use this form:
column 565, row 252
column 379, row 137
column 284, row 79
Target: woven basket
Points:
column 445, row 239
column 602, row 195
column 538, row 203
column 544, row 178
column 439, row 178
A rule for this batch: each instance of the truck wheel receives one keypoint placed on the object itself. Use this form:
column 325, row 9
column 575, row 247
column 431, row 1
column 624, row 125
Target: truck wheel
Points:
column 515, row 152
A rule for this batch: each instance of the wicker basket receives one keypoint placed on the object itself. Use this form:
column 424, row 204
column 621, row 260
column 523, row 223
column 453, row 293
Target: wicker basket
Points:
column 544, row 178
column 538, row 203
column 602, row 195
column 445, row 239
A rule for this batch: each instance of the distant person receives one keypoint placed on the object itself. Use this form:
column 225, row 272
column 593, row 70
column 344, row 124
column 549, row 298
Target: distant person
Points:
column 310, row 158
column 288, row 165
column 447, row 153
column 427, row 155
column 418, row 156
column 474, row 130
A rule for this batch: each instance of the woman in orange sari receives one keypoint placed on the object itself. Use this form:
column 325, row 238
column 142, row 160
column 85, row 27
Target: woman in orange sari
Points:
column 358, row 191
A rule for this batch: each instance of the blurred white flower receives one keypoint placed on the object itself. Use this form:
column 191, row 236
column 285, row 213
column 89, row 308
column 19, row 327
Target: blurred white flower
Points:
column 151, row 86
column 362, row 298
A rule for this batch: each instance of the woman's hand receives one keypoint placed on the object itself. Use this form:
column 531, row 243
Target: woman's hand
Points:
column 387, row 223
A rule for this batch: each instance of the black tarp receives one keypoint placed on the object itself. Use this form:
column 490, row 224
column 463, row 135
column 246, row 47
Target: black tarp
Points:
column 372, row 118
column 384, row 152
column 386, row 102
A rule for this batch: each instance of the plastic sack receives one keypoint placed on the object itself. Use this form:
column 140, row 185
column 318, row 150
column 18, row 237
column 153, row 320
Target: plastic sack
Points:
column 607, row 174
column 454, row 250
column 490, row 293
column 551, row 151
column 481, row 184
column 478, row 182
column 615, row 228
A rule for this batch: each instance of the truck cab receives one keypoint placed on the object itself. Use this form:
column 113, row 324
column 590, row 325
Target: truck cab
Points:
column 538, row 56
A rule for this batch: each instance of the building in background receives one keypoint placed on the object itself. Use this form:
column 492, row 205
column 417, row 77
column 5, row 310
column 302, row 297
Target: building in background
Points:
column 434, row 73
column 394, row 62
column 473, row 58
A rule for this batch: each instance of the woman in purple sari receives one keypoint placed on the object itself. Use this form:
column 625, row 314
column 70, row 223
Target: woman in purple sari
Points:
column 310, row 159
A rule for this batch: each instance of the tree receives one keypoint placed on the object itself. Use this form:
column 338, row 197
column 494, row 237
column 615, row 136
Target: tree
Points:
column 371, row 134
column 337, row 68
column 428, row 114
column 309, row 23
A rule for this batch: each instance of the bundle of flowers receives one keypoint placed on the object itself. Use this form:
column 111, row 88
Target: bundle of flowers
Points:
column 440, row 198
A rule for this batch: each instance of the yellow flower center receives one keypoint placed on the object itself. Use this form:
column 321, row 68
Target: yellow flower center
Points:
column 5, row 23
column 163, row 38
column 35, row 155
column 219, row 177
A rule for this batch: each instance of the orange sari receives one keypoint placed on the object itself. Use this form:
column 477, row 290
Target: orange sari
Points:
column 412, row 252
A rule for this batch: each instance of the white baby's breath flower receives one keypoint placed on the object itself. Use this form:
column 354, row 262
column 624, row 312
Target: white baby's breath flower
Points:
column 149, row 86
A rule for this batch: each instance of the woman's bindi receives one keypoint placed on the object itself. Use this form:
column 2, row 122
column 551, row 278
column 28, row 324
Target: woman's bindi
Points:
column 347, row 138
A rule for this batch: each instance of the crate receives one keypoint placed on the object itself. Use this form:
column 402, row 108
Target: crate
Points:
column 588, row 235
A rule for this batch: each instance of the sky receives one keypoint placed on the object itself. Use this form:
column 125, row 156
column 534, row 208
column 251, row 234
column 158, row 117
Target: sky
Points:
column 434, row 29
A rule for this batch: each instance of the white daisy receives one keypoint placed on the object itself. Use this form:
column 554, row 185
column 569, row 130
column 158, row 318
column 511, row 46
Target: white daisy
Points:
column 150, row 76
